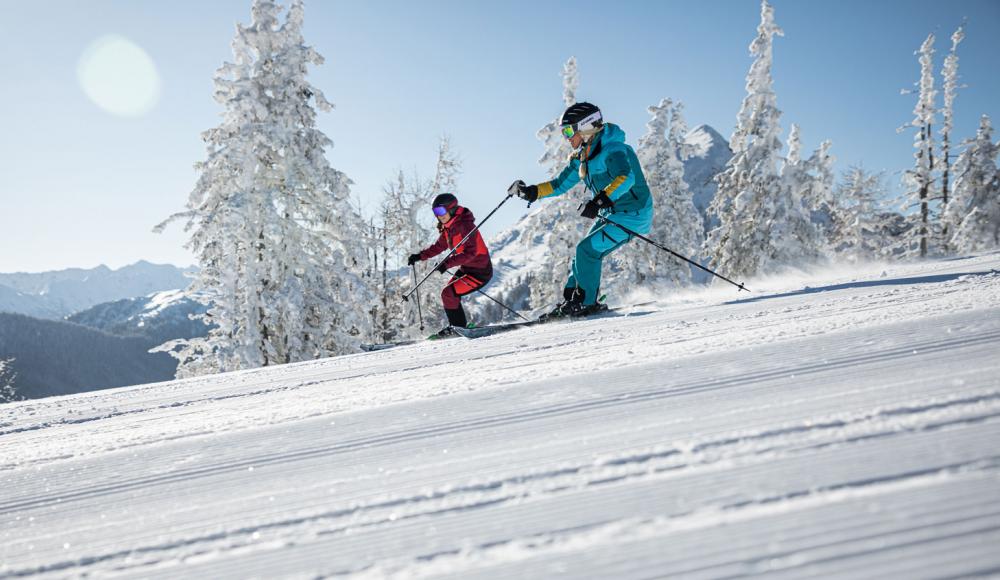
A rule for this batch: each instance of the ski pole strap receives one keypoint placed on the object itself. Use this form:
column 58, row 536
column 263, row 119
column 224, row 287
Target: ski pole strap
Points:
column 633, row 233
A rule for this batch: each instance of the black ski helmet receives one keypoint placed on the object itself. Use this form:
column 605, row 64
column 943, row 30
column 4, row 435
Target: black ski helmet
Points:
column 583, row 117
column 447, row 201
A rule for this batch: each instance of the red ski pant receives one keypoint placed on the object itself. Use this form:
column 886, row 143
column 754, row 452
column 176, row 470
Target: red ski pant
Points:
column 459, row 285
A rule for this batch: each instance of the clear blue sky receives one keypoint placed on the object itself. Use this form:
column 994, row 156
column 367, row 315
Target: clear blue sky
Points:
column 83, row 187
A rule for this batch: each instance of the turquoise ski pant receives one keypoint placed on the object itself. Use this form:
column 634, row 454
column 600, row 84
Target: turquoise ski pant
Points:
column 601, row 240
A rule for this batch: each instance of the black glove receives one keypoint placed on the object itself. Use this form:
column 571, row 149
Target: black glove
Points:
column 413, row 259
column 442, row 268
column 598, row 203
column 528, row 193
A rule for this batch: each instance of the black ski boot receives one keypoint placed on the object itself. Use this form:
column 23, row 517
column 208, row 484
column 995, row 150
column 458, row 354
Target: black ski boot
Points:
column 589, row 309
column 572, row 301
column 456, row 318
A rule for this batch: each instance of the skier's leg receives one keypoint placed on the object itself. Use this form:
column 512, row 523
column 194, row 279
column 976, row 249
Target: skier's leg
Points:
column 452, row 303
column 590, row 252
column 460, row 285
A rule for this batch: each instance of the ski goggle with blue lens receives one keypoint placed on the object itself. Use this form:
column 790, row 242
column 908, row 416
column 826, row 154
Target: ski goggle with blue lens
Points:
column 440, row 210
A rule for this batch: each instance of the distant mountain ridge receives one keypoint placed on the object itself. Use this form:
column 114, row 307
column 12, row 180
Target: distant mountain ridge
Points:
column 711, row 154
column 159, row 317
column 59, row 358
column 57, row 294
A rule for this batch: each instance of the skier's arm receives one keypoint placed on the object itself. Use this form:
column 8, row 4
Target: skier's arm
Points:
column 436, row 248
column 618, row 166
column 563, row 182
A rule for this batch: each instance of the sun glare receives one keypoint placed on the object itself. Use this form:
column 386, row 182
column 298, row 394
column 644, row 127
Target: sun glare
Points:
column 119, row 76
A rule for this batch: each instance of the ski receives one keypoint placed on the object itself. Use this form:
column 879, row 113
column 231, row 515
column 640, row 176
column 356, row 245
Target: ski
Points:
column 490, row 330
column 374, row 347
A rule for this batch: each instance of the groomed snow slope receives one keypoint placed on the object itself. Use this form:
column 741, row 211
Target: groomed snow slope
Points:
column 845, row 423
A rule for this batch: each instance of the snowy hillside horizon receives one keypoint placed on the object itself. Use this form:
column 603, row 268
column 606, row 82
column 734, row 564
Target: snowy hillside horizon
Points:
column 841, row 422
column 56, row 294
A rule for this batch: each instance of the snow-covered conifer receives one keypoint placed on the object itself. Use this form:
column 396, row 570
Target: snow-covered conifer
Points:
column 748, row 202
column 555, row 221
column 859, row 224
column 809, row 182
column 677, row 224
column 797, row 235
column 7, row 376
column 975, row 206
column 271, row 222
column 919, row 181
column 949, row 72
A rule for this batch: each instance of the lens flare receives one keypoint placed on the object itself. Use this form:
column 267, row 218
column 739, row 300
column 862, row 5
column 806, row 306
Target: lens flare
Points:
column 119, row 76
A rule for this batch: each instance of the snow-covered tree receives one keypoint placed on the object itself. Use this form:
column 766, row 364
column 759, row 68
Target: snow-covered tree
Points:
column 800, row 203
column 556, row 221
column 974, row 210
column 859, row 224
column 819, row 199
column 271, row 222
column 405, row 224
column 677, row 224
column 759, row 222
column 919, row 181
column 448, row 168
column 7, row 376
column 950, row 88
column 810, row 181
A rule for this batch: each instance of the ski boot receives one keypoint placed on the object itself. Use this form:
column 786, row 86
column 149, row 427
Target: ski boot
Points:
column 572, row 301
column 589, row 309
column 446, row 332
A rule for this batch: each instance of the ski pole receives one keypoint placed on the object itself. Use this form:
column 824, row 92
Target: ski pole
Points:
column 675, row 254
column 457, row 246
column 420, row 315
column 507, row 308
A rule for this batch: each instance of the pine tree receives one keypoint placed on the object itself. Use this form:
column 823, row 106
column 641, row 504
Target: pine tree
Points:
column 950, row 85
column 796, row 237
column 748, row 204
column 975, row 207
column 7, row 391
column 271, row 222
column 919, row 181
column 819, row 199
column 859, row 224
column 677, row 224
column 556, row 220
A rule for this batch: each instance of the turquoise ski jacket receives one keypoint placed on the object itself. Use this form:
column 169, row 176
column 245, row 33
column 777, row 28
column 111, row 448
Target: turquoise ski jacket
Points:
column 607, row 164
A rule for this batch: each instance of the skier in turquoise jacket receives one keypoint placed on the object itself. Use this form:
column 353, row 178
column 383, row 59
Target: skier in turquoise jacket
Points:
column 610, row 170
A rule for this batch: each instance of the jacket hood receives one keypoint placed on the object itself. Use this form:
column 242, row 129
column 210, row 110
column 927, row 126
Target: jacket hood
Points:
column 612, row 134
column 462, row 215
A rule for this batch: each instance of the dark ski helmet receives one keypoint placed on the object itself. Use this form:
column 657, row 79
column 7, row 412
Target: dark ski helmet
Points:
column 445, row 203
column 581, row 118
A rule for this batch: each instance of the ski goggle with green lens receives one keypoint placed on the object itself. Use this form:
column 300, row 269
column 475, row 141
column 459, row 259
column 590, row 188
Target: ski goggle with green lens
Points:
column 440, row 210
column 591, row 122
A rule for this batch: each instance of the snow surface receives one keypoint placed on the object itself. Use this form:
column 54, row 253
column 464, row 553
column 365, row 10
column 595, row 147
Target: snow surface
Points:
column 845, row 423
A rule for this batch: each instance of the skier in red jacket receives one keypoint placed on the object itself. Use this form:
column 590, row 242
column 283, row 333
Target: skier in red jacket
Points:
column 472, row 258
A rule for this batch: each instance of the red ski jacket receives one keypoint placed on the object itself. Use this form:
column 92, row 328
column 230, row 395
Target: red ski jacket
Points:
column 472, row 256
